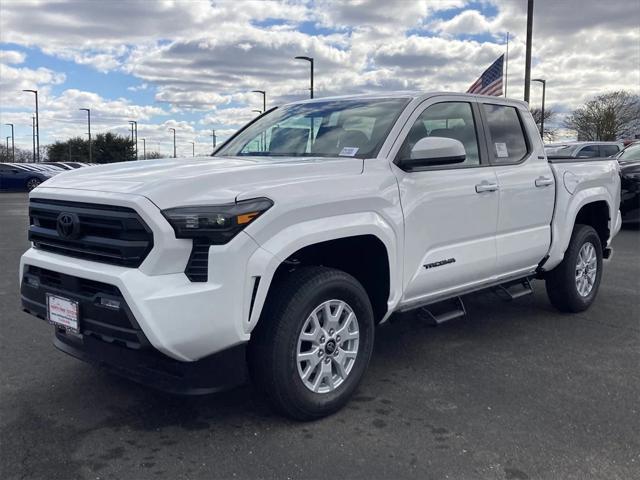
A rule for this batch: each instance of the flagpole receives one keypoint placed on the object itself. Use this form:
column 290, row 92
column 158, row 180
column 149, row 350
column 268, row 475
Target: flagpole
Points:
column 506, row 68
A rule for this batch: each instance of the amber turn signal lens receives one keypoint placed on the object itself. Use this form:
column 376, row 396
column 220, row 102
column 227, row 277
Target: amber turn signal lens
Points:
column 246, row 217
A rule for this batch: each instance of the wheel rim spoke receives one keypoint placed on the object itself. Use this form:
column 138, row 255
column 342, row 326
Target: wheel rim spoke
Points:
column 327, row 346
column 586, row 269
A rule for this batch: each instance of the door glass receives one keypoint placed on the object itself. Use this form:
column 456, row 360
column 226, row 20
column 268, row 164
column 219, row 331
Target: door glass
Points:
column 508, row 142
column 608, row 150
column 447, row 119
column 590, row 151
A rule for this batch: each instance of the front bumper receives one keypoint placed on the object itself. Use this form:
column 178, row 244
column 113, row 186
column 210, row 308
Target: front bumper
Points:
column 112, row 338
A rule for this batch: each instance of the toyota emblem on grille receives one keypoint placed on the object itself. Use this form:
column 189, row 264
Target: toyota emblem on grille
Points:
column 68, row 225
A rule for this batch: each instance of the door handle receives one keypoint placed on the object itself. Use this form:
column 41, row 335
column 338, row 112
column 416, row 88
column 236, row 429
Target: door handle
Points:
column 544, row 181
column 486, row 187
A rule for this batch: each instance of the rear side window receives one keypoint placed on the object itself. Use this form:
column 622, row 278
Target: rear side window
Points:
column 508, row 141
column 608, row 150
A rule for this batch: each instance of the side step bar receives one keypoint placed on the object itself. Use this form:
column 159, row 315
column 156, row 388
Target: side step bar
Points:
column 513, row 290
column 441, row 312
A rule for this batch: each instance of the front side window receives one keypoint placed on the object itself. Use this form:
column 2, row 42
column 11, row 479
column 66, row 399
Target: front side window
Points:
column 332, row 128
column 447, row 119
column 508, row 141
column 590, row 151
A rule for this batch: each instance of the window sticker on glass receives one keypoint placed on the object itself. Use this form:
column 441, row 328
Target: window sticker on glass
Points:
column 348, row 151
column 501, row 150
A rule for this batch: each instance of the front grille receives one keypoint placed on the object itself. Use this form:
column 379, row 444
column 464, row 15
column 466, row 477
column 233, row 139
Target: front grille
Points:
column 108, row 234
column 97, row 319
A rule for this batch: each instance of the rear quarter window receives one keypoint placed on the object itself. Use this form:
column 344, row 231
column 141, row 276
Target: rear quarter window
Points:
column 508, row 142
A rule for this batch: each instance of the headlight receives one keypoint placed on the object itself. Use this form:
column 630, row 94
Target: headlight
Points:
column 217, row 223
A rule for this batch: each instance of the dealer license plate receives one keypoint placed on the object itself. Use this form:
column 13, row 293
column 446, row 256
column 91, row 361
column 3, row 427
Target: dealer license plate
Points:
column 63, row 312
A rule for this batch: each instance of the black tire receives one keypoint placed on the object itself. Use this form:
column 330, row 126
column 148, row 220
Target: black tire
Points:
column 561, row 284
column 33, row 183
column 274, row 342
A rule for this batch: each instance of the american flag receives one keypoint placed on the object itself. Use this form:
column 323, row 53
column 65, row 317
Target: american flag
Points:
column 490, row 82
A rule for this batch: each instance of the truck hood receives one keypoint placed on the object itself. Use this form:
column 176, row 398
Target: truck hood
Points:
column 203, row 180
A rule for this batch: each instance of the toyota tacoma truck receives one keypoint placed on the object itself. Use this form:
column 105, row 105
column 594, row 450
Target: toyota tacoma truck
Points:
column 276, row 258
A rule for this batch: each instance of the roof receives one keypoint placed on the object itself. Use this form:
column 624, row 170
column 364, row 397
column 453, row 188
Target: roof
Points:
column 411, row 94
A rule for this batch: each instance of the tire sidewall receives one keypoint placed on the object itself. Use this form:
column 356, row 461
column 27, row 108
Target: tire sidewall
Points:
column 349, row 291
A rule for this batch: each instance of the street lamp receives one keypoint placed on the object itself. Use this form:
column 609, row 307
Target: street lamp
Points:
column 7, row 145
column 144, row 148
column 174, row 141
column 88, row 110
column 259, row 112
column 264, row 98
column 213, row 138
column 134, row 135
column 310, row 60
column 193, row 149
column 544, row 92
column 13, row 143
column 37, row 125
column 33, row 135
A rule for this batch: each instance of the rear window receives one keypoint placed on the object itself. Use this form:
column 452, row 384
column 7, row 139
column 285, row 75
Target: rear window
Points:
column 508, row 141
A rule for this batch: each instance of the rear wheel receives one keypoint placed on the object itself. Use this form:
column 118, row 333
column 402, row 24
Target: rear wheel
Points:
column 573, row 285
column 33, row 183
column 313, row 343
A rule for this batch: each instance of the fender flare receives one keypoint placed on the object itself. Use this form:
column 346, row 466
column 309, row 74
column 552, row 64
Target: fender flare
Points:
column 266, row 260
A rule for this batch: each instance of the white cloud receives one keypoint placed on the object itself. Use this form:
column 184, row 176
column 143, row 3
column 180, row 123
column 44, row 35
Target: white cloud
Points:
column 204, row 57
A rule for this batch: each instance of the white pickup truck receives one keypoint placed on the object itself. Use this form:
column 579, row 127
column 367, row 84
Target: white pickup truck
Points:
column 310, row 226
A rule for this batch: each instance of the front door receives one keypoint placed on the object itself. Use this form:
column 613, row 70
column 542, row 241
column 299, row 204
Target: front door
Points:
column 450, row 211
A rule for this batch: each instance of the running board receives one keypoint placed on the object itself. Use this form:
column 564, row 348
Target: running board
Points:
column 443, row 311
column 513, row 290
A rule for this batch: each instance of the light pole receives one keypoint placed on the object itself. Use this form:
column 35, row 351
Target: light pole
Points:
column 33, row 127
column 527, row 65
column 144, row 148
column 259, row 112
column 264, row 98
column 310, row 60
column 13, row 143
column 88, row 110
column 134, row 135
column 213, row 138
column 544, row 92
column 37, row 125
column 193, row 149
column 262, row 139
column 174, row 142
column 7, row 145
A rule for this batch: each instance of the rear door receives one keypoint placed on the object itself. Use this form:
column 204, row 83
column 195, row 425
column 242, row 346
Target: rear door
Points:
column 526, row 182
column 450, row 211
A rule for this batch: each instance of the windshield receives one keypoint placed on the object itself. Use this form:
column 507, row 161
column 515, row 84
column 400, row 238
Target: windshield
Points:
column 560, row 150
column 333, row 128
column 630, row 154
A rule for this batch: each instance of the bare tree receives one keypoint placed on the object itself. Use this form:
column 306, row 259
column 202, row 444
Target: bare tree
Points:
column 609, row 116
column 549, row 115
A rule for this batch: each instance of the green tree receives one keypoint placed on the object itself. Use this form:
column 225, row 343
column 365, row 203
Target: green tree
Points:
column 609, row 116
column 105, row 148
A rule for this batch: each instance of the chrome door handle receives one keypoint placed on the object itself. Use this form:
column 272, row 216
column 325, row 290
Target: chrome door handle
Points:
column 486, row 187
column 544, row 181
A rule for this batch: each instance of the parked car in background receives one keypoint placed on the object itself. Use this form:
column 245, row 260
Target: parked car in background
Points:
column 15, row 176
column 583, row 149
column 66, row 165
column 629, row 160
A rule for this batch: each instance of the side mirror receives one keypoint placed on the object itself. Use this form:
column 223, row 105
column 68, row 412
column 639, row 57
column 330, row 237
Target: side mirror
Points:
column 435, row 151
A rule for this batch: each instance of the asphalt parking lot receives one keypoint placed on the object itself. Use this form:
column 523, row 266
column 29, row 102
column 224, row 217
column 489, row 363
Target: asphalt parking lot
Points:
column 513, row 391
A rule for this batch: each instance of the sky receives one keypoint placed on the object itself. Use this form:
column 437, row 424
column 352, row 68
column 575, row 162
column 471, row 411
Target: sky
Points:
column 191, row 64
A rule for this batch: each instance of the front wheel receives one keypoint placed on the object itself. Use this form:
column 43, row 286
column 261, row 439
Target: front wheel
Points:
column 313, row 343
column 573, row 285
